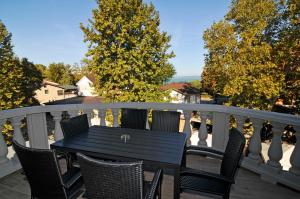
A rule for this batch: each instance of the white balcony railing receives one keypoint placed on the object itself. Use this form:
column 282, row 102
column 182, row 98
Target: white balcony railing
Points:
column 219, row 115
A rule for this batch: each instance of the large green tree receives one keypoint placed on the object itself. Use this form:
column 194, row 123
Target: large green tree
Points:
column 242, row 60
column 80, row 70
column 283, row 34
column 221, row 41
column 127, row 52
column 19, row 78
column 42, row 68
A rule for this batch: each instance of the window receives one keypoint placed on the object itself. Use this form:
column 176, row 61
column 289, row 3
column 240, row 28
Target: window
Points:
column 60, row 92
column 46, row 91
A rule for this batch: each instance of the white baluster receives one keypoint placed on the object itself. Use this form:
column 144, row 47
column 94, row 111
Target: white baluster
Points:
column 220, row 130
column 275, row 150
column 240, row 120
column 16, row 123
column 89, row 114
column 147, row 121
column 73, row 113
column 115, row 113
column 58, row 135
column 295, row 156
column 202, row 134
column 37, row 130
column 3, row 146
column 187, row 127
column 255, row 141
column 102, row 114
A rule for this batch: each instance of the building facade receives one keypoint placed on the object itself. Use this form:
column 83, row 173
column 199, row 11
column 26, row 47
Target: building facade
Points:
column 85, row 86
column 51, row 91
column 183, row 93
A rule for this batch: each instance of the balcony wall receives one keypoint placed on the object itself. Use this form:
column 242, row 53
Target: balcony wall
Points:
column 219, row 116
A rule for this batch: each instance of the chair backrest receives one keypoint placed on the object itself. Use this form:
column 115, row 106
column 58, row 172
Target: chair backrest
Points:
column 111, row 180
column 233, row 153
column 42, row 171
column 167, row 121
column 74, row 125
column 134, row 118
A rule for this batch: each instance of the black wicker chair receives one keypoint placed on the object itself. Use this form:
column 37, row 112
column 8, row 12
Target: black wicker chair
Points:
column 117, row 180
column 43, row 174
column 219, row 184
column 74, row 126
column 167, row 121
column 134, row 118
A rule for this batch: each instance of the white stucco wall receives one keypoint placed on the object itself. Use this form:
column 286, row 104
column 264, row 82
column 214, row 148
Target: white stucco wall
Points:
column 176, row 97
column 180, row 98
column 85, row 87
column 52, row 94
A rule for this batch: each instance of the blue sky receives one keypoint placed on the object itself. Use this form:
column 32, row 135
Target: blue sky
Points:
column 48, row 31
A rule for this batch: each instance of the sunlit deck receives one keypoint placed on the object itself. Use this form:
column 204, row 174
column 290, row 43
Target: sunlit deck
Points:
column 248, row 184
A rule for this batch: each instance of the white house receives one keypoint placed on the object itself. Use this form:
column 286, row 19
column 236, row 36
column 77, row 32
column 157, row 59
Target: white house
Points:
column 85, row 86
column 51, row 91
column 182, row 92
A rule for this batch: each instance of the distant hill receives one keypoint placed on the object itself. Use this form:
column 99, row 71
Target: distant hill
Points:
column 184, row 79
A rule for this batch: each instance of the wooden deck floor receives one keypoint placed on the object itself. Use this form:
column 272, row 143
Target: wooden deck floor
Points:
column 248, row 185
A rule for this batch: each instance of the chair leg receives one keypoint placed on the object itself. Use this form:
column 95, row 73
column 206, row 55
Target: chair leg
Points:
column 159, row 190
column 69, row 162
column 183, row 162
column 226, row 196
column 160, row 186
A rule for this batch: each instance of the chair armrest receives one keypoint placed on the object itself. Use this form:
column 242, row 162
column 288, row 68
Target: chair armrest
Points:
column 196, row 150
column 203, row 174
column 61, row 155
column 155, row 184
column 71, row 177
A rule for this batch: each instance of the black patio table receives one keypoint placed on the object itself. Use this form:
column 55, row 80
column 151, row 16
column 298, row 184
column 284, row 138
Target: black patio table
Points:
column 155, row 149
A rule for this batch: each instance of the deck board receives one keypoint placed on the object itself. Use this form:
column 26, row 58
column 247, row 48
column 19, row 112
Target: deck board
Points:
column 248, row 184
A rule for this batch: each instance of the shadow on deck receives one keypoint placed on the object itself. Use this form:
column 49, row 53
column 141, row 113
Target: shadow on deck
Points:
column 248, row 184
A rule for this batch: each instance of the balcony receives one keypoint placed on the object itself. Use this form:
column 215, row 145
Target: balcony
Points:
column 258, row 177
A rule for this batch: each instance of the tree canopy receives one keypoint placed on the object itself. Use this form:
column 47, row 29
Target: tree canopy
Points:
column 253, row 53
column 283, row 34
column 127, row 53
column 196, row 84
column 60, row 73
column 19, row 78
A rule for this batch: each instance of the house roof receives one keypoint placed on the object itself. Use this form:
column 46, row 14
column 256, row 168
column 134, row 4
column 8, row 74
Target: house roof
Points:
column 91, row 78
column 69, row 87
column 65, row 87
column 47, row 82
column 183, row 88
column 77, row 100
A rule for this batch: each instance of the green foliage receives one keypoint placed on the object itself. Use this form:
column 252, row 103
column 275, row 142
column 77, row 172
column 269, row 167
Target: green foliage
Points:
column 42, row 68
column 79, row 71
column 127, row 52
column 239, row 62
column 31, row 81
column 60, row 73
column 63, row 74
column 283, row 33
column 19, row 78
column 221, row 41
column 196, row 84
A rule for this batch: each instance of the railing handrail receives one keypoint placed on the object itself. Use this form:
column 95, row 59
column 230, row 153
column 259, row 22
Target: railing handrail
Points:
column 264, row 115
